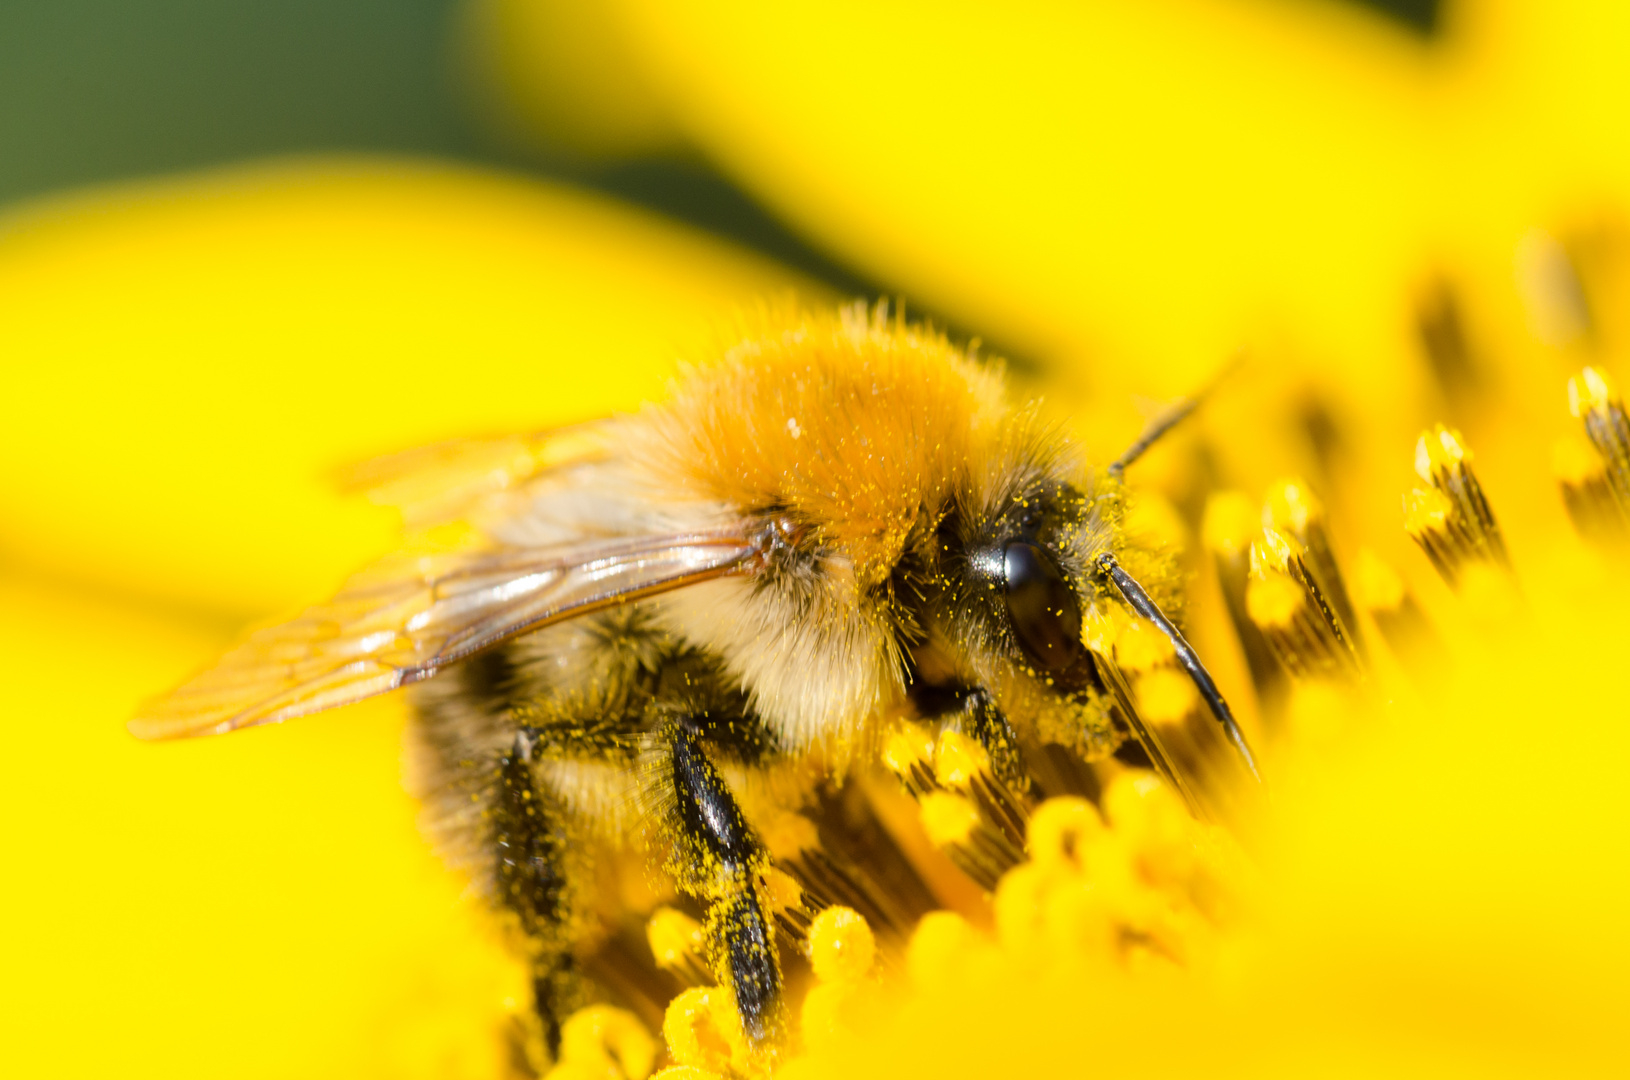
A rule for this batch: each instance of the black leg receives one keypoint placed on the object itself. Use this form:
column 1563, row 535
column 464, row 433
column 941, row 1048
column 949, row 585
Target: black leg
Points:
column 974, row 712
column 716, row 858
column 529, row 841
column 983, row 719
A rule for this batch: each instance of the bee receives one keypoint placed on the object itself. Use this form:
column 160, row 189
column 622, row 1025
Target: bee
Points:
column 840, row 521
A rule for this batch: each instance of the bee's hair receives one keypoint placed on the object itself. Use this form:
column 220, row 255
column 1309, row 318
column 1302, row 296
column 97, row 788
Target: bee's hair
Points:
column 852, row 423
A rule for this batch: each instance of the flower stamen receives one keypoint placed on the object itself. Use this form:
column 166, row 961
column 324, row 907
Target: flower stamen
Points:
column 1231, row 524
column 1593, row 398
column 679, row 946
column 1597, row 512
column 1403, row 625
column 1451, row 519
column 1285, row 601
column 1293, row 511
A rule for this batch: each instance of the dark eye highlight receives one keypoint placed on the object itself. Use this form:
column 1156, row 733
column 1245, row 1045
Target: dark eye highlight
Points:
column 1042, row 607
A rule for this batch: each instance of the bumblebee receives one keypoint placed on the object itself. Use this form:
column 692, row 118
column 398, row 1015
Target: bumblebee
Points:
column 664, row 629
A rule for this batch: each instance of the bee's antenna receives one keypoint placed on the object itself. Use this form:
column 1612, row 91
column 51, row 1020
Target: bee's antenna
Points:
column 1169, row 419
column 1141, row 602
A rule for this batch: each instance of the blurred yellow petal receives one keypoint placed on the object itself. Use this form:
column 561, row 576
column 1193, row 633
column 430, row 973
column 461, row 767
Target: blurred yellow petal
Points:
column 1129, row 183
column 1134, row 192
column 250, row 907
column 192, row 360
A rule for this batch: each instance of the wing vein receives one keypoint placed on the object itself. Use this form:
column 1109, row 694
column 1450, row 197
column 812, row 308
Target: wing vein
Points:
column 404, row 619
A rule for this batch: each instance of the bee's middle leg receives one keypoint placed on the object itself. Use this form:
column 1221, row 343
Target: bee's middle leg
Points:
column 716, row 857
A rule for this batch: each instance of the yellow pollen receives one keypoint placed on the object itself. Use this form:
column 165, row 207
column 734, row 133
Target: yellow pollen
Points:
column 1426, row 510
column 601, row 1041
column 938, row 947
column 674, row 937
column 958, row 759
column 1273, row 550
column 1273, row 600
column 1165, row 696
column 841, row 946
column 1230, row 523
column 789, row 834
column 909, row 745
column 1060, row 828
column 703, row 1030
column 1376, row 586
column 1440, row 448
column 1590, row 389
column 1290, row 506
column 784, row 891
column 948, row 819
column 1140, row 646
column 1099, row 631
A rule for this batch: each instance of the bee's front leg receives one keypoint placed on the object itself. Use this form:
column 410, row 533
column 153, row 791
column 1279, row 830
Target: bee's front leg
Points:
column 716, row 857
column 981, row 719
column 973, row 711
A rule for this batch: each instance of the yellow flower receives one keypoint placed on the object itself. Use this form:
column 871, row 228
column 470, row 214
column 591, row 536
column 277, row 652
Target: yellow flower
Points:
column 1127, row 194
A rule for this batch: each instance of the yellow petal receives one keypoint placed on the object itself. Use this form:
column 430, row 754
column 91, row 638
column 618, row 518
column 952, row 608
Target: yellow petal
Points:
column 189, row 362
column 260, row 906
column 1123, row 182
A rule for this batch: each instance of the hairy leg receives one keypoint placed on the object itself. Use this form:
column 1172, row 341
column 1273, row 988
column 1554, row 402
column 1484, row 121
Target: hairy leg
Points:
column 529, row 842
column 716, row 857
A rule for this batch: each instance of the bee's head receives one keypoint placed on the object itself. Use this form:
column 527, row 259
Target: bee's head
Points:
column 1013, row 587
column 1021, row 579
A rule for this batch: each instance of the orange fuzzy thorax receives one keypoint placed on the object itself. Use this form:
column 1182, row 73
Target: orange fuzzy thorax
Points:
column 849, row 423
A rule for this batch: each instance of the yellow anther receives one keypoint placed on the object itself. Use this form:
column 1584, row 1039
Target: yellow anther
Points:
column 1060, row 829
column 1426, row 510
column 1376, row 586
column 784, row 891
column 841, row 945
column 687, row 1072
column 823, row 1014
column 676, row 938
column 938, row 947
column 1100, row 630
column 1230, row 523
column 1165, row 695
column 948, row 819
column 1273, row 550
column 1140, row 806
column 1140, row 646
column 1017, row 906
column 957, row 759
column 909, row 745
column 703, row 1030
column 1437, row 450
column 1290, row 506
column 1590, row 389
column 600, row 1041
column 1152, row 521
column 1273, row 599
column 788, row 834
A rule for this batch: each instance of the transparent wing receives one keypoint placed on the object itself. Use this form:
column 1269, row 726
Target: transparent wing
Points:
column 405, row 618
column 432, row 484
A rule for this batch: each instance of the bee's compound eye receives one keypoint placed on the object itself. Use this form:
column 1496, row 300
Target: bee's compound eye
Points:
column 1046, row 618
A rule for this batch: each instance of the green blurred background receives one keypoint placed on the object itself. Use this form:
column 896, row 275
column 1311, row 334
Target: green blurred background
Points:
column 99, row 90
